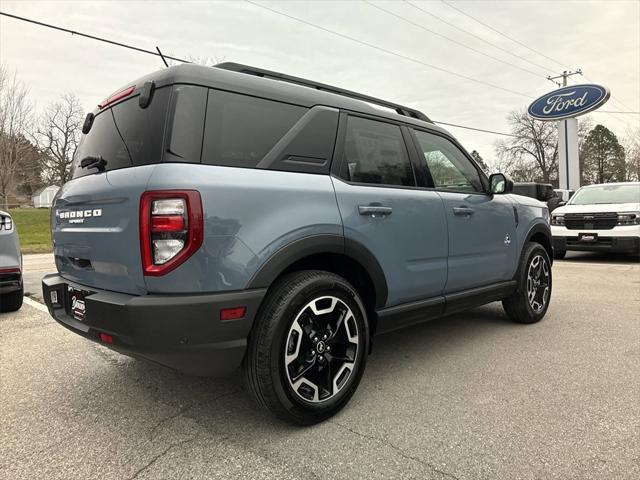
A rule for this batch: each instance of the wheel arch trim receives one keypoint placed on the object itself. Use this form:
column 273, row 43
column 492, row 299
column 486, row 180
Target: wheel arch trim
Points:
column 545, row 230
column 308, row 246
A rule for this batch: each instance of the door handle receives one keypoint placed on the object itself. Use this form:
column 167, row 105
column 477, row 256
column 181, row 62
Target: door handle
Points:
column 374, row 210
column 463, row 211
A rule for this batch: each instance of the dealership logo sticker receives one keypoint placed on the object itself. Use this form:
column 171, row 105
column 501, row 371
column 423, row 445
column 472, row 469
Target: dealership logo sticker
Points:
column 569, row 102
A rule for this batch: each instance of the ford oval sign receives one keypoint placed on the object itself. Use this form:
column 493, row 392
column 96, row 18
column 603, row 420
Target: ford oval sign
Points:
column 569, row 102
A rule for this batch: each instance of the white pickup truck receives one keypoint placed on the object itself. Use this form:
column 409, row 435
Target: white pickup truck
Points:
column 602, row 217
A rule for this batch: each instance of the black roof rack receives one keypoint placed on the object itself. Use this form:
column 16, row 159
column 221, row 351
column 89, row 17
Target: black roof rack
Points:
column 259, row 72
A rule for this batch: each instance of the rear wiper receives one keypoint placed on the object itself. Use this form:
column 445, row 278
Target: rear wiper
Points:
column 93, row 162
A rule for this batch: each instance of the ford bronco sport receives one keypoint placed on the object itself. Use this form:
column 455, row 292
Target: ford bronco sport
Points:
column 236, row 217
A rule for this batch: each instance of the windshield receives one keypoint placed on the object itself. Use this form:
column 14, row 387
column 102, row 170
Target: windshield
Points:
column 607, row 194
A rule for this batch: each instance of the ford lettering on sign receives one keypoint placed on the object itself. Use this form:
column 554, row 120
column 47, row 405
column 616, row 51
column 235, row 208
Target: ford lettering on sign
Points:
column 569, row 102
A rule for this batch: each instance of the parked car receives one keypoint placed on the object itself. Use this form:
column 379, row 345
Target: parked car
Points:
column 233, row 216
column 541, row 191
column 600, row 218
column 564, row 194
column 10, row 265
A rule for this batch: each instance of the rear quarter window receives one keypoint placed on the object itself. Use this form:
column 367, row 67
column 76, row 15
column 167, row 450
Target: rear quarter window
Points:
column 240, row 130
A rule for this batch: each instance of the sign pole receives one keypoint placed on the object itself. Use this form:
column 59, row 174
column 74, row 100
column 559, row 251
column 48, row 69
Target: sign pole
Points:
column 568, row 154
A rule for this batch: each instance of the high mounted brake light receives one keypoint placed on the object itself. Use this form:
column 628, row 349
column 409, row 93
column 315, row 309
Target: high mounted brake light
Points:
column 116, row 96
column 171, row 229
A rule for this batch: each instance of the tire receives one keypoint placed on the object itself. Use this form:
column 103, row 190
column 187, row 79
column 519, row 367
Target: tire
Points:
column 520, row 306
column 288, row 339
column 10, row 302
column 559, row 254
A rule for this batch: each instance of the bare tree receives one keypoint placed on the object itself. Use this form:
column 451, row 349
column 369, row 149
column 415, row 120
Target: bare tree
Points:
column 15, row 121
column 58, row 136
column 631, row 144
column 532, row 154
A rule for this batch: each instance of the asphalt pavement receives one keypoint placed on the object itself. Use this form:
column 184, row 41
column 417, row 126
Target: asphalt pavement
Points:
column 471, row 396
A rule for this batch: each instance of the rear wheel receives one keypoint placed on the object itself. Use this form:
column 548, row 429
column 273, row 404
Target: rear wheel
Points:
column 10, row 302
column 530, row 301
column 307, row 351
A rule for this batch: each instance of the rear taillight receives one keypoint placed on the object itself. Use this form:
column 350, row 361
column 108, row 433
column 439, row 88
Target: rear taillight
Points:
column 171, row 229
column 6, row 223
column 10, row 270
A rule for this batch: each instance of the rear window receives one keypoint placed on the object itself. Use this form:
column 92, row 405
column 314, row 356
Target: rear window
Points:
column 240, row 130
column 125, row 135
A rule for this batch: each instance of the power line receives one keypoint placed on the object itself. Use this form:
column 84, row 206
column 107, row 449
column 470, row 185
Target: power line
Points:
column 609, row 114
column 475, row 129
column 613, row 100
column 92, row 37
column 157, row 54
column 411, row 22
column 502, row 34
column 389, row 52
column 609, row 111
column 453, row 25
column 517, row 42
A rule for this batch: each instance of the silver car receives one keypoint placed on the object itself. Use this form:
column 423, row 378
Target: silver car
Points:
column 10, row 265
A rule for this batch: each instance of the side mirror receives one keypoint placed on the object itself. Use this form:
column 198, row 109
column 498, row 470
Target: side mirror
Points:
column 499, row 183
column 562, row 203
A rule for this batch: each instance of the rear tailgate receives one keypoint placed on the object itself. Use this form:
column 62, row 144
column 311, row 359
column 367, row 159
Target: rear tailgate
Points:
column 96, row 233
column 95, row 217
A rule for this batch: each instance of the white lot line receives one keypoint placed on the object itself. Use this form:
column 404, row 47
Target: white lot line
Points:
column 558, row 263
column 36, row 305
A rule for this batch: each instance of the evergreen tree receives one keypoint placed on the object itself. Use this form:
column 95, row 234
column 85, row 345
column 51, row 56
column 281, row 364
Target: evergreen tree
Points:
column 603, row 158
column 479, row 160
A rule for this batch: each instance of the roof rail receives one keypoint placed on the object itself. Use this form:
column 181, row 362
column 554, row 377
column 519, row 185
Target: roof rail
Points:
column 259, row 72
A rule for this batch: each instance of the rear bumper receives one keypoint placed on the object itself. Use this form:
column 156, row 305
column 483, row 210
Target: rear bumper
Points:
column 183, row 332
column 10, row 282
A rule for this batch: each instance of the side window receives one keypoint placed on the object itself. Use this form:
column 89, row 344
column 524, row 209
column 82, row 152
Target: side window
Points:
column 449, row 167
column 240, row 130
column 374, row 152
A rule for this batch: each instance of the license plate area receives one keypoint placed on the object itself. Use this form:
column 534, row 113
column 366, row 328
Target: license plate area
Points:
column 76, row 304
column 588, row 237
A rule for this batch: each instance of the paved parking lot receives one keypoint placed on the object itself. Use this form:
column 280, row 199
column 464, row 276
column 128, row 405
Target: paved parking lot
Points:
column 466, row 397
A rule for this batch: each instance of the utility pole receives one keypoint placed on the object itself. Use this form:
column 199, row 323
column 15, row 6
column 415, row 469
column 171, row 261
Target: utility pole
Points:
column 568, row 155
column 566, row 74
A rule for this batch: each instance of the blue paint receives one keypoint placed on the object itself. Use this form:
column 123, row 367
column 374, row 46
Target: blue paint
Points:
column 569, row 102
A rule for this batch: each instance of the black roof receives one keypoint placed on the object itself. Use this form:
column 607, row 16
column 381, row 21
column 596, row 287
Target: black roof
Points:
column 284, row 88
column 260, row 72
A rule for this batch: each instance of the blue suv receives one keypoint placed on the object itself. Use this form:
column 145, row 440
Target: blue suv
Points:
column 233, row 217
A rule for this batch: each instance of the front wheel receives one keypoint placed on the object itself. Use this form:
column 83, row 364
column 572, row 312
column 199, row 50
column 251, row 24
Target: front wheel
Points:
column 307, row 351
column 530, row 301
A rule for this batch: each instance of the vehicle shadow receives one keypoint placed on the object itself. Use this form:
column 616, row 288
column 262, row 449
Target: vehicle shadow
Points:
column 222, row 407
column 601, row 257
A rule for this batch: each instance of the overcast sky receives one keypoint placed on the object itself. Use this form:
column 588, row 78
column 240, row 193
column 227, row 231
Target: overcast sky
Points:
column 600, row 37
